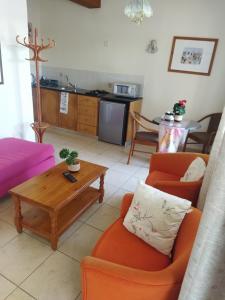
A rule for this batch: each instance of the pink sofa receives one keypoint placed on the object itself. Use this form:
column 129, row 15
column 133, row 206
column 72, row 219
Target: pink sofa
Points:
column 21, row 160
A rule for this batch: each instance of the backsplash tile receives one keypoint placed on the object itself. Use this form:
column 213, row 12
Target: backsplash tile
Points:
column 89, row 79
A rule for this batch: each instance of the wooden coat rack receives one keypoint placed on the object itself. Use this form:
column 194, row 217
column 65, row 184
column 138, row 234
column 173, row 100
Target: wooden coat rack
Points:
column 39, row 127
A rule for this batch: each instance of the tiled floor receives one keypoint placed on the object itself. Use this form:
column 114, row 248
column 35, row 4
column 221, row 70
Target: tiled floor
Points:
column 29, row 269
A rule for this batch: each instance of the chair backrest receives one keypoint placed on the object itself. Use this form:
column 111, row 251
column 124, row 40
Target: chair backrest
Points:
column 214, row 122
column 140, row 121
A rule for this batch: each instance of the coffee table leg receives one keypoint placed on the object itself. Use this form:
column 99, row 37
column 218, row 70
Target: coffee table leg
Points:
column 54, row 230
column 18, row 215
column 101, row 188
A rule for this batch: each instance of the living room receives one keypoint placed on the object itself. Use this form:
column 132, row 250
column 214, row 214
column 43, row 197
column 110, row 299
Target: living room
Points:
column 101, row 59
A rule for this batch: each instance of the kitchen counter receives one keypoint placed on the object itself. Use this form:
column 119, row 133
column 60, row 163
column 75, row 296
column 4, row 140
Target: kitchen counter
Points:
column 85, row 92
column 64, row 89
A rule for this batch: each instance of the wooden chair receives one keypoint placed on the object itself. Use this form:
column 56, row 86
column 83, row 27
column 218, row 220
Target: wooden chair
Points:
column 148, row 136
column 205, row 138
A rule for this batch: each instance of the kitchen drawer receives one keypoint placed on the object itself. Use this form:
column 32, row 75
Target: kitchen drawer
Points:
column 87, row 101
column 88, row 110
column 87, row 129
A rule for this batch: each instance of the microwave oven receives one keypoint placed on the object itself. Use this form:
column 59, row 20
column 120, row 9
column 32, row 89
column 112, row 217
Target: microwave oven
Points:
column 126, row 89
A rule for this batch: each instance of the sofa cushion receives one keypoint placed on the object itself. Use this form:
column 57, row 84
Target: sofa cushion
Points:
column 155, row 217
column 120, row 246
column 155, row 176
column 195, row 171
column 18, row 155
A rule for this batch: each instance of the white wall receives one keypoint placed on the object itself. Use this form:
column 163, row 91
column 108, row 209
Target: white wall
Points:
column 81, row 33
column 16, row 111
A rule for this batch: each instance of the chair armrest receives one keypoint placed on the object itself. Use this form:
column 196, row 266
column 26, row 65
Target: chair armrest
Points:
column 174, row 163
column 127, row 199
column 106, row 280
column 185, row 190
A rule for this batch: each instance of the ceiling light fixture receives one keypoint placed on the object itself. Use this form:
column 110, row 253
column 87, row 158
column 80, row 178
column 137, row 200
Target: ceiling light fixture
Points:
column 137, row 10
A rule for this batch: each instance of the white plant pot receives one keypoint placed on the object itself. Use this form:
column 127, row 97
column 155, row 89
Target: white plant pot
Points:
column 74, row 168
column 178, row 118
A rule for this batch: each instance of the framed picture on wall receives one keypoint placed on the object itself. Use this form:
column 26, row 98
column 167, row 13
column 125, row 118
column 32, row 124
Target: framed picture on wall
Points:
column 1, row 71
column 192, row 55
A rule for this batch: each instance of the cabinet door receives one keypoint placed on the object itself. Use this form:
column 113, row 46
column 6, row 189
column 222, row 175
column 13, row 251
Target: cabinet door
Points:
column 50, row 106
column 69, row 120
column 88, row 108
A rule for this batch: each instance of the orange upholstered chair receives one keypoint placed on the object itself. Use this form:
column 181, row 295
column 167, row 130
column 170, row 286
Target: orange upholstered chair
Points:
column 165, row 172
column 122, row 266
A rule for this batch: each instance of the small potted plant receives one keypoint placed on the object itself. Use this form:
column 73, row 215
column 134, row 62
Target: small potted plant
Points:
column 179, row 110
column 70, row 159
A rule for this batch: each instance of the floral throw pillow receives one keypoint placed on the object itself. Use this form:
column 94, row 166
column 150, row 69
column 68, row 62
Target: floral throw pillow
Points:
column 195, row 171
column 155, row 217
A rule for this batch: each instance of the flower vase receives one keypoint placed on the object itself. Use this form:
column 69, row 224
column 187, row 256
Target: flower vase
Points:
column 74, row 168
column 178, row 118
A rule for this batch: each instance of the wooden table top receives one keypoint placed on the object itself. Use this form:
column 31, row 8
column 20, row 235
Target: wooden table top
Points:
column 51, row 190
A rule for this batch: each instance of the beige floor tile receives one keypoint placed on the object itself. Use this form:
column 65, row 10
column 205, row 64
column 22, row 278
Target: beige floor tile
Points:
column 108, row 187
column 5, row 202
column 116, row 178
column 6, row 287
column 89, row 212
column 131, row 184
column 125, row 168
column 137, row 160
column 114, row 155
column 62, row 238
column 116, row 199
column 8, row 214
column 7, row 233
column 81, row 243
column 21, row 256
column 98, row 147
column 103, row 161
column 18, row 294
column 79, row 297
column 142, row 173
column 58, row 278
column 104, row 217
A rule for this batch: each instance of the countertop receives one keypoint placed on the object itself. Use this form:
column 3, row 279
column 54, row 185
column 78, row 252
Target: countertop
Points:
column 84, row 92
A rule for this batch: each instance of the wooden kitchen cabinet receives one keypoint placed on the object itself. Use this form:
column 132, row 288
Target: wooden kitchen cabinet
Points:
column 69, row 120
column 50, row 106
column 88, row 108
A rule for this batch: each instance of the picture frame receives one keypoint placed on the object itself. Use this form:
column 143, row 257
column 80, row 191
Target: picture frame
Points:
column 192, row 55
column 1, row 70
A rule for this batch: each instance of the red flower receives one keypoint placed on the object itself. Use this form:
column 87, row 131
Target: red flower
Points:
column 182, row 103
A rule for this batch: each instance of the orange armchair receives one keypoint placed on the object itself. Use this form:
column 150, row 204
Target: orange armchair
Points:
column 122, row 266
column 165, row 172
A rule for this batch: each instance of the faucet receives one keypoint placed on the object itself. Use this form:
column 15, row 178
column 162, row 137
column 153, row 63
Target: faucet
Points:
column 69, row 84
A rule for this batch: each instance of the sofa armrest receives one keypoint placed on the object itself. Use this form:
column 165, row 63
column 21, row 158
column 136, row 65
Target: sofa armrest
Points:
column 186, row 190
column 174, row 163
column 106, row 280
column 126, row 202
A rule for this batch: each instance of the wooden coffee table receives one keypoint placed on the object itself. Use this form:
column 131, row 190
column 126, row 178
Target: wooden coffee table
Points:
column 54, row 201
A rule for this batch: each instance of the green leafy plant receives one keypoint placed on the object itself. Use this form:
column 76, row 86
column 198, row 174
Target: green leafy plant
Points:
column 69, row 156
column 179, row 107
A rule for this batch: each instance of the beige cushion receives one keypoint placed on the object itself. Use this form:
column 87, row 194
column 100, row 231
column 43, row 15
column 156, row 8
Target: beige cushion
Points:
column 155, row 217
column 195, row 171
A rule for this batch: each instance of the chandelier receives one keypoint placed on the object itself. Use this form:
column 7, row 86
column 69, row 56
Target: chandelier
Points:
column 137, row 10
